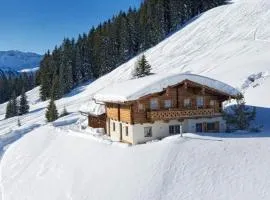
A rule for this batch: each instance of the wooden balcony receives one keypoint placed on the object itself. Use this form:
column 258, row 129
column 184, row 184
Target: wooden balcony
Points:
column 180, row 114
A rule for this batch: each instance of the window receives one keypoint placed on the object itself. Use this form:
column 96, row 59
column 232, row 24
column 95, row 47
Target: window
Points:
column 168, row 103
column 199, row 128
column 148, row 132
column 177, row 129
column 174, row 129
column 211, row 127
column 126, row 130
column 200, row 102
column 140, row 107
column 171, row 130
column 154, row 104
column 187, row 103
column 212, row 103
column 113, row 126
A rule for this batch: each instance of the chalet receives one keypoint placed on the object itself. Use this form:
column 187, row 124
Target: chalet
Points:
column 153, row 107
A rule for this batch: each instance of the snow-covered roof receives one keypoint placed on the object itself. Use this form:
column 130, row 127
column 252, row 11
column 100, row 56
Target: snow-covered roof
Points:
column 136, row 88
column 92, row 108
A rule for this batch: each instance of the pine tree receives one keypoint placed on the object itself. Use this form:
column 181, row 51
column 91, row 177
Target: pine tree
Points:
column 142, row 68
column 12, row 107
column 23, row 107
column 240, row 116
column 8, row 110
column 19, row 122
column 77, row 74
column 64, row 113
column 110, row 44
column 51, row 113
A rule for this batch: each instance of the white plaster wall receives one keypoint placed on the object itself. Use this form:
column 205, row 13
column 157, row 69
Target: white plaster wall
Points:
column 129, row 137
column 160, row 129
column 115, row 135
column 191, row 123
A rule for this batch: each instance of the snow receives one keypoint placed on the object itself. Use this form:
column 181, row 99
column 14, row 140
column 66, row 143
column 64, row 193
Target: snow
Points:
column 229, row 43
column 93, row 108
column 192, row 167
column 28, row 70
column 17, row 61
column 136, row 88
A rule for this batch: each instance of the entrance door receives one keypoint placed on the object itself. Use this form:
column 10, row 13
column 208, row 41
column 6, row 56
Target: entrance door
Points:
column 199, row 128
column 121, row 131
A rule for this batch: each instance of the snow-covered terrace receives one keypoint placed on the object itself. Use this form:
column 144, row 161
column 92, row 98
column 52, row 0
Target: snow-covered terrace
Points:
column 92, row 108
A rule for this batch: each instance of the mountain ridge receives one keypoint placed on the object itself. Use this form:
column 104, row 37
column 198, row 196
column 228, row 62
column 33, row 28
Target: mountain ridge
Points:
column 14, row 60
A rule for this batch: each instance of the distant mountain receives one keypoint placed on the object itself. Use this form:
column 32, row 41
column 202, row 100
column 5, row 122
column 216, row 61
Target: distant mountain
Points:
column 19, row 61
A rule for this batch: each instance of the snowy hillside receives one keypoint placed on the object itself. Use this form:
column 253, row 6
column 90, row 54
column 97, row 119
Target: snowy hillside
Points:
column 230, row 43
column 76, row 167
column 17, row 61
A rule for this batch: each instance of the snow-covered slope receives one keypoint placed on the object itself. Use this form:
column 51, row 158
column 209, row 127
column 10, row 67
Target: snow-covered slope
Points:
column 17, row 61
column 230, row 43
column 56, row 164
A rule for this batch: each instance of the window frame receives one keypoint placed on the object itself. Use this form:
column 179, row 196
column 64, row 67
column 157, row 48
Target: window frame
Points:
column 212, row 126
column 214, row 103
column 126, row 131
column 171, row 129
column 187, row 105
column 167, row 101
column 148, row 129
column 141, row 107
column 174, row 129
column 114, row 126
column 151, row 103
column 200, row 99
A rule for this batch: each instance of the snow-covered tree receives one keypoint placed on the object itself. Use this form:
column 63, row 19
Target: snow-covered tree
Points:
column 64, row 113
column 12, row 107
column 51, row 113
column 142, row 68
column 240, row 116
column 19, row 122
column 23, row 107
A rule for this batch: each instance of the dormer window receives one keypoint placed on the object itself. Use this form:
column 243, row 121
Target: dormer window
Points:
column 168, row 103
column 154, row 104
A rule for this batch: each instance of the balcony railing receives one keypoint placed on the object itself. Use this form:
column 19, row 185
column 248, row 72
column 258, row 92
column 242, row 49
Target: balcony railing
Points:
column 180, row 114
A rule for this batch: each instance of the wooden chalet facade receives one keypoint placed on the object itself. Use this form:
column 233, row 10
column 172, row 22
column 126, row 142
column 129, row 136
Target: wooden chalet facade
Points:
column 97, row 121
column 183, row 107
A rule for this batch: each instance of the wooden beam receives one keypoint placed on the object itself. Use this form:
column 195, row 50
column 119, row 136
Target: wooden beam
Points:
column 118, row 109
column 177, row 97
column 131, row 115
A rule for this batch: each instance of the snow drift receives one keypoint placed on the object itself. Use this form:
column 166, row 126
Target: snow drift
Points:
column 230, row 43
column 50, row 163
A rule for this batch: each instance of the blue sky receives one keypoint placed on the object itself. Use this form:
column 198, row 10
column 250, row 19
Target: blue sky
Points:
column 38, row 25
